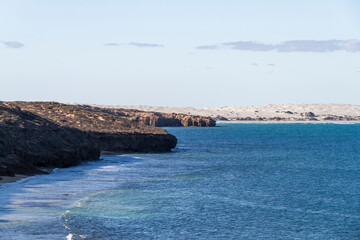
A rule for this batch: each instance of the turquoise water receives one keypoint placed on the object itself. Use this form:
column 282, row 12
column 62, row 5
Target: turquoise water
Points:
column 237, row 181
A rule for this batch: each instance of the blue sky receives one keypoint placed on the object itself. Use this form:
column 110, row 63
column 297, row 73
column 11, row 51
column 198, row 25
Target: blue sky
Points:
column 180, row 53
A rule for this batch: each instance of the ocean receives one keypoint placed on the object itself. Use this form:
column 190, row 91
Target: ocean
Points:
column 234, row 181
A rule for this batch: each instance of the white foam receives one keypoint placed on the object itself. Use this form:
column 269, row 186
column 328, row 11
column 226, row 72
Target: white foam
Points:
column 69, row 237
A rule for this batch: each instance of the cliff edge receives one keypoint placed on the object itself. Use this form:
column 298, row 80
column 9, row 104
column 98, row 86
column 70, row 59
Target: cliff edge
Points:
column 156, row 119
column 38, row 135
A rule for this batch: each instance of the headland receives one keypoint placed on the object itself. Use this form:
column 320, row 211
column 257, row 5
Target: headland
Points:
column 38, row 136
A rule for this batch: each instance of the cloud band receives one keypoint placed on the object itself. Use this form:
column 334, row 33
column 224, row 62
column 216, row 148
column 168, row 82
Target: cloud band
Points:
column 13, row 44
column 135, row 44
column 290, row 46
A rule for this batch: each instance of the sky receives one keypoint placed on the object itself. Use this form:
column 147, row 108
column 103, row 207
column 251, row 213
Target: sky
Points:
column 180, row 53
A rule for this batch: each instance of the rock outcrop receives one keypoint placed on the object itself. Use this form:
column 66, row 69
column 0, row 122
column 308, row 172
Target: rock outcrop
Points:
column 29, row 142
column 168, row 119
column 157, row 119
column 36, row 135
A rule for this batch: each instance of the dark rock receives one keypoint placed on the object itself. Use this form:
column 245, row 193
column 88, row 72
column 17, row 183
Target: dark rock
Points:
column 246, row 119
column 127, row 142
column 44, row 134
column 349, row 118
column 221, row 118
column 163, row 119
column 276, row 119
column 30, row 142
column 308, row 114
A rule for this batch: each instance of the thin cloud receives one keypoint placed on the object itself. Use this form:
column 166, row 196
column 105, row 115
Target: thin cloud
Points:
column 13, row 44
column 291, row 46
column 208, row 47
column 112, row 44
column 136, row 44
column 352, row 45
column 271, row 65
column 312, row 46
column 255, row 64
column 145, row 45
column 249, row 46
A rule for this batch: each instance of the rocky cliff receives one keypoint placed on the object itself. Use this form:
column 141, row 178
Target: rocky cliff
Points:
column 157, row 119
column 36, row 135
column 29, row 142
column 172, row 119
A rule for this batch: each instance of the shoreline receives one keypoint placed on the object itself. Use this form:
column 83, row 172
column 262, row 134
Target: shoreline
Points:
column 41, row 135
column 9, row 179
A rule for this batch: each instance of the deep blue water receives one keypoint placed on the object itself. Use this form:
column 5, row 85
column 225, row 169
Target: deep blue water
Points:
column 237, row 181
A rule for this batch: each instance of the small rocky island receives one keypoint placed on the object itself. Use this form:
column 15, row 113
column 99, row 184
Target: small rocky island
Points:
column 37, row 136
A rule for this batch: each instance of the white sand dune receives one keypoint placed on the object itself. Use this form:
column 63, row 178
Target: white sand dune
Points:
column 271, row 112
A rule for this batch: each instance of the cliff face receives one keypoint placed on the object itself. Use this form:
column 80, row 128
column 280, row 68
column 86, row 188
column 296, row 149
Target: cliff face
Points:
column 126, row 142
column 106, row 119
column 29, row 142
column 157, row 119
column 118, row 132
column 46, row 134
column 173, row 120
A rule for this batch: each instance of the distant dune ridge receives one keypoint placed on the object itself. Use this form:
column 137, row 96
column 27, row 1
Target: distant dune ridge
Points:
column 271, row 112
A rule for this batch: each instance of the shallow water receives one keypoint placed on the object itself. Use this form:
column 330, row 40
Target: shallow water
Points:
column 237, row 181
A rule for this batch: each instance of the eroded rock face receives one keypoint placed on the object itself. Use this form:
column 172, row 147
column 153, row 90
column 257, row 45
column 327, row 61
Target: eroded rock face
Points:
column 172, row 120
column 45, row 134
column 158, row 119
column 29, row 142
column 102, row 124
column 127, row 142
